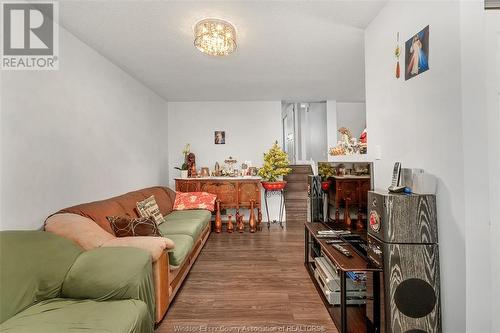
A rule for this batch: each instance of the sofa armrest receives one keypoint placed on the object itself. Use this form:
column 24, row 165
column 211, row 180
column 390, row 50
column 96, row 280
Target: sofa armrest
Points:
column 154, row 245
column 161, row 272
column 111, row 273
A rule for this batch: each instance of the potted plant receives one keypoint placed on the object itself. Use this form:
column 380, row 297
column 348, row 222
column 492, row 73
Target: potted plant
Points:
column 275, row 166
column 184, row 167
column 325, row 171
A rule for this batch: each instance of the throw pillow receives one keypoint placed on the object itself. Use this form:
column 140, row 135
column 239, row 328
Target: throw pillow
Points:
column 141, row 226
column 149, row 207
column 195, row 200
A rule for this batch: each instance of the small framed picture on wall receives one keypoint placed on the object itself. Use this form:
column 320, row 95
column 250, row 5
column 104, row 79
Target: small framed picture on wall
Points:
column 417, row 54
column 220, row 137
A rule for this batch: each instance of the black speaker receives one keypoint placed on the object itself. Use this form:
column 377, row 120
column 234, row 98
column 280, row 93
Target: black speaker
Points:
column 408, row 293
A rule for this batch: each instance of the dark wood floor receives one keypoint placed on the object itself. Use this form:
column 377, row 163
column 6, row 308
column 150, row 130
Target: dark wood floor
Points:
column 249, row 281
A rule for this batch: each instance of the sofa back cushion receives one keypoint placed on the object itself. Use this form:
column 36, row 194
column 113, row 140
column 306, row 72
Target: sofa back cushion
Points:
column 33, row 267
column 123, row 205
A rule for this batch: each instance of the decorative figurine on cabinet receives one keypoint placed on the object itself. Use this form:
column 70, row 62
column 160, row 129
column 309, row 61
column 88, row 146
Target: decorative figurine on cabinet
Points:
column 217, row 171
column 191, row 163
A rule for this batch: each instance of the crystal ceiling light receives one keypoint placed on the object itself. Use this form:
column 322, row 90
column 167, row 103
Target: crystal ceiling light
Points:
column 215, row 37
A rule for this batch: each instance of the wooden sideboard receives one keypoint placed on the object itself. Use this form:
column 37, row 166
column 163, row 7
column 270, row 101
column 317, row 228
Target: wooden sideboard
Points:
column 232, row 192
column 350, row 191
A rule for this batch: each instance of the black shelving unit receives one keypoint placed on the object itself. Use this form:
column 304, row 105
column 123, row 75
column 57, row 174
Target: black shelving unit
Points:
column 349, row 318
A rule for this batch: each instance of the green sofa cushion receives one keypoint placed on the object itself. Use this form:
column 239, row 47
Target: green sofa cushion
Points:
column 65, row 315
column 192, row 227
column 112, row 273
column 198, row 214
column 183, row 244
column 33, row 266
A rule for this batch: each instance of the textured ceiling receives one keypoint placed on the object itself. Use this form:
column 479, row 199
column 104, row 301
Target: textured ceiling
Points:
column 287, row 50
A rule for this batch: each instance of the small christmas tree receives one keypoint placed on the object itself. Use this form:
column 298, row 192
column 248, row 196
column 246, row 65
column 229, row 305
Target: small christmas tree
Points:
column 275, row 164
column 325, row 170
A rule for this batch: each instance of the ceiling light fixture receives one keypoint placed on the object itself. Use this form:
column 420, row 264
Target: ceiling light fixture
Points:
column 215, row 37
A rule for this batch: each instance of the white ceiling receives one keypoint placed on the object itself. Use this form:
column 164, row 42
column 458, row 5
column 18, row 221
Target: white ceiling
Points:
column 287, row 50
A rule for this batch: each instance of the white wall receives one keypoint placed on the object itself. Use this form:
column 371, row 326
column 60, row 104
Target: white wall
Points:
column 85, row 132
column 492, row 53
column 331, row 123
column 351, row 116
column 251, row 128
column 475, row 120
column 316, row 132
column 288, row 121
column 311, row 131
column 419, row 122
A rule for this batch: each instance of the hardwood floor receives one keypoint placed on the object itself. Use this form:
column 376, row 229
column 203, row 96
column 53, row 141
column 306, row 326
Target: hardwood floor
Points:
column 249, row 283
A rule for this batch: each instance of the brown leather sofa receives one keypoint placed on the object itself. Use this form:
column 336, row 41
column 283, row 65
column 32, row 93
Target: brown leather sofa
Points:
column 170, row 266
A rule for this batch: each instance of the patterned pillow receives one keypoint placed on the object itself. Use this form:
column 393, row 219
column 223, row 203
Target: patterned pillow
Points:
column 149, row 207
column 194, row 200
column 141, row 226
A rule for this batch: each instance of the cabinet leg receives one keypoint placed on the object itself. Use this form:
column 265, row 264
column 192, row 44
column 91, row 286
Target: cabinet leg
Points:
column 337, row 215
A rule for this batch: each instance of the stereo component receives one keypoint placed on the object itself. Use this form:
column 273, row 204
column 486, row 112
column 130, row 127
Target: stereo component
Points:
column 315, row 202
column 402, row 218
column 402, row 240
column 329, row 283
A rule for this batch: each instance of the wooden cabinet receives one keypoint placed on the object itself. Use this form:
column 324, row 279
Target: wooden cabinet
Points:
column 247, row 192
column 232, row 193
column 182, row 186
column 226, row 192
column 349, row 191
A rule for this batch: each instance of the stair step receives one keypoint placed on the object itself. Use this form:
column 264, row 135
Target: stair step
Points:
column 297, row 177
column 301, row 169
column 296, row 217
column 296, row 186
column 296, row 192
column 296, row 196
column 297, row 204
column 296, row 201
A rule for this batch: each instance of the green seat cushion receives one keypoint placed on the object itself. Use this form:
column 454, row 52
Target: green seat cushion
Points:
column 183, row 244
column 191, row 227
column 66, row 315
column 185, row 222
column 33, row 267
column 198, row 214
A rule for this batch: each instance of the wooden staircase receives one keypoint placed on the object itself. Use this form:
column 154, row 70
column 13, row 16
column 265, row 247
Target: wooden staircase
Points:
column 296, row 194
